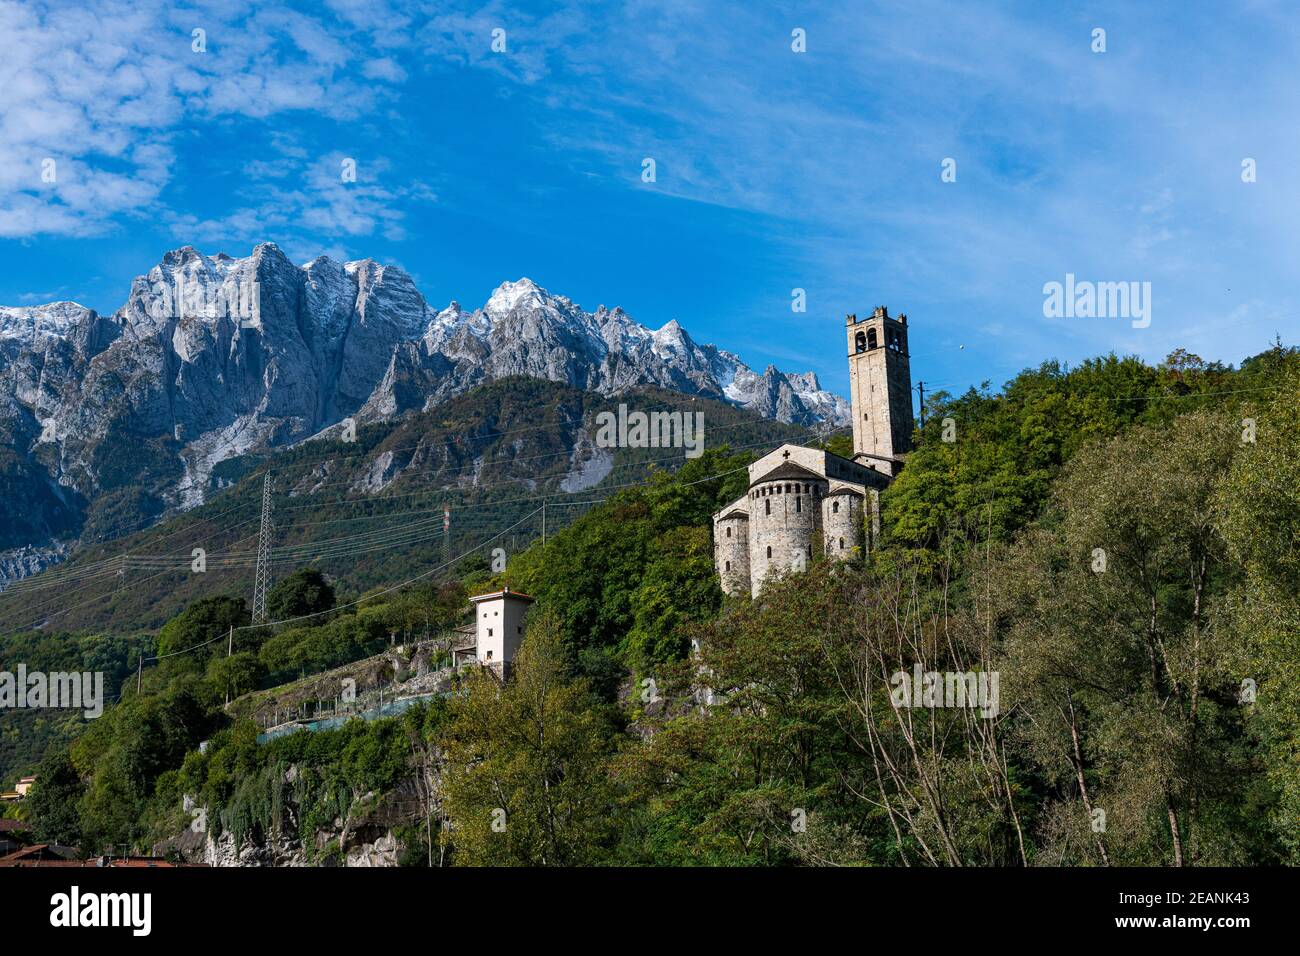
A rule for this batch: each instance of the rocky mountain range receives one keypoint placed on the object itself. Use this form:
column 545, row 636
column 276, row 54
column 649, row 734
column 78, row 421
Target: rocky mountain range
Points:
column 212, row 357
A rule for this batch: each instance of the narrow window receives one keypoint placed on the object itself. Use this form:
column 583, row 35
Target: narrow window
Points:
column 835, row 507
column 769, row 505
column 841, row 544
column 798, row 503
column 728, row 532
column 871, row 338
column 728, row 565
column 769, row 550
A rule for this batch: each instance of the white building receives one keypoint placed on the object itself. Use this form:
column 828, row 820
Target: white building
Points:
column 498, row 629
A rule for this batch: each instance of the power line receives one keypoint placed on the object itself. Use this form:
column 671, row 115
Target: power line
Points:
column 424, row 574
column 408, row 471
column 678, row 406
column 335, row 548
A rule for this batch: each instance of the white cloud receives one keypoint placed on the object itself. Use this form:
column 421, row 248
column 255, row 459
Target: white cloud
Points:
column 104, row 92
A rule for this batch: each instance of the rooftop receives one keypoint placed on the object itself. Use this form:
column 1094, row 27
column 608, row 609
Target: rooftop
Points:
column 787, row 469
column 503, row 593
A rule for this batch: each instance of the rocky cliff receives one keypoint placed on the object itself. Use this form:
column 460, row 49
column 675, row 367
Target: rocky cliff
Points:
column 109, row 422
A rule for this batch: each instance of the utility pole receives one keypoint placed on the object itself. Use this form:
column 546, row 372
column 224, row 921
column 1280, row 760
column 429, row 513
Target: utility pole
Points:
column 543, row 523
column 263, row 574
column 139, row 672
column 920, row 387
column 230, row 646
column 446, row 532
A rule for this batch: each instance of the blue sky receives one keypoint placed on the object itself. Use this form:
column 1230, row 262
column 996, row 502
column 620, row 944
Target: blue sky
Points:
column 775, row 170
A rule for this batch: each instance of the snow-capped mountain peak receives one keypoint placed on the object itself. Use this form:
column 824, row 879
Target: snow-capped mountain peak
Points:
column 212, row 356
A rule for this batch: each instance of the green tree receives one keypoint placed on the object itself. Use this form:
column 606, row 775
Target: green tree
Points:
column 53, row 800
column 1117, row 660
column 1259, row 510
column 303, row 592
column 526, row 783
column 196, row 630
column 235, row 675
column 679, row 586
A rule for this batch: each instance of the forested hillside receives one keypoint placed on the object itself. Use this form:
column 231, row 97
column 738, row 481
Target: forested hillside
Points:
column 1118, row 544
column 370, row 511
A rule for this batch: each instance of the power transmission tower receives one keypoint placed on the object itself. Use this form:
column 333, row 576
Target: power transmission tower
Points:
column 263, row 576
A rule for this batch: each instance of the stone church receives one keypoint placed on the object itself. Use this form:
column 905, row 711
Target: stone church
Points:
column 801, row 499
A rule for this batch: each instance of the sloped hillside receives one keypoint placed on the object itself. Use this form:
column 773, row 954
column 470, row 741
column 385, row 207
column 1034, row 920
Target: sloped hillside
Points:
column 370, row 511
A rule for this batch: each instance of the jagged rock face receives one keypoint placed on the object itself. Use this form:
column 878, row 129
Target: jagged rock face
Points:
column 365, row 838
column 525, row 330
column 212, row 357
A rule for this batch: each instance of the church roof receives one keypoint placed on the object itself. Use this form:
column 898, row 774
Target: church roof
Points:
column 734, row 513
column 844, row 490
column 787, row 469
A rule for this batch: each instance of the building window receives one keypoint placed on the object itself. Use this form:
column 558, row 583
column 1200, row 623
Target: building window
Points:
column 769, row 551
column 769, row 506
column 871, row 339
column 728, row 532
column 835, row 507
column 489, row 632
column 728, row 567
column 860, row 342
column 798, row 503
column 841, row 544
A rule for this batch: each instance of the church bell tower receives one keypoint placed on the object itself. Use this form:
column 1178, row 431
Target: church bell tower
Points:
column 880, row 379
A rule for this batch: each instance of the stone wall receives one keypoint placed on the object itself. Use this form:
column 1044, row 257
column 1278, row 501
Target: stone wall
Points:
column 786, row 521
column 842, row 525
column 731, row 552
